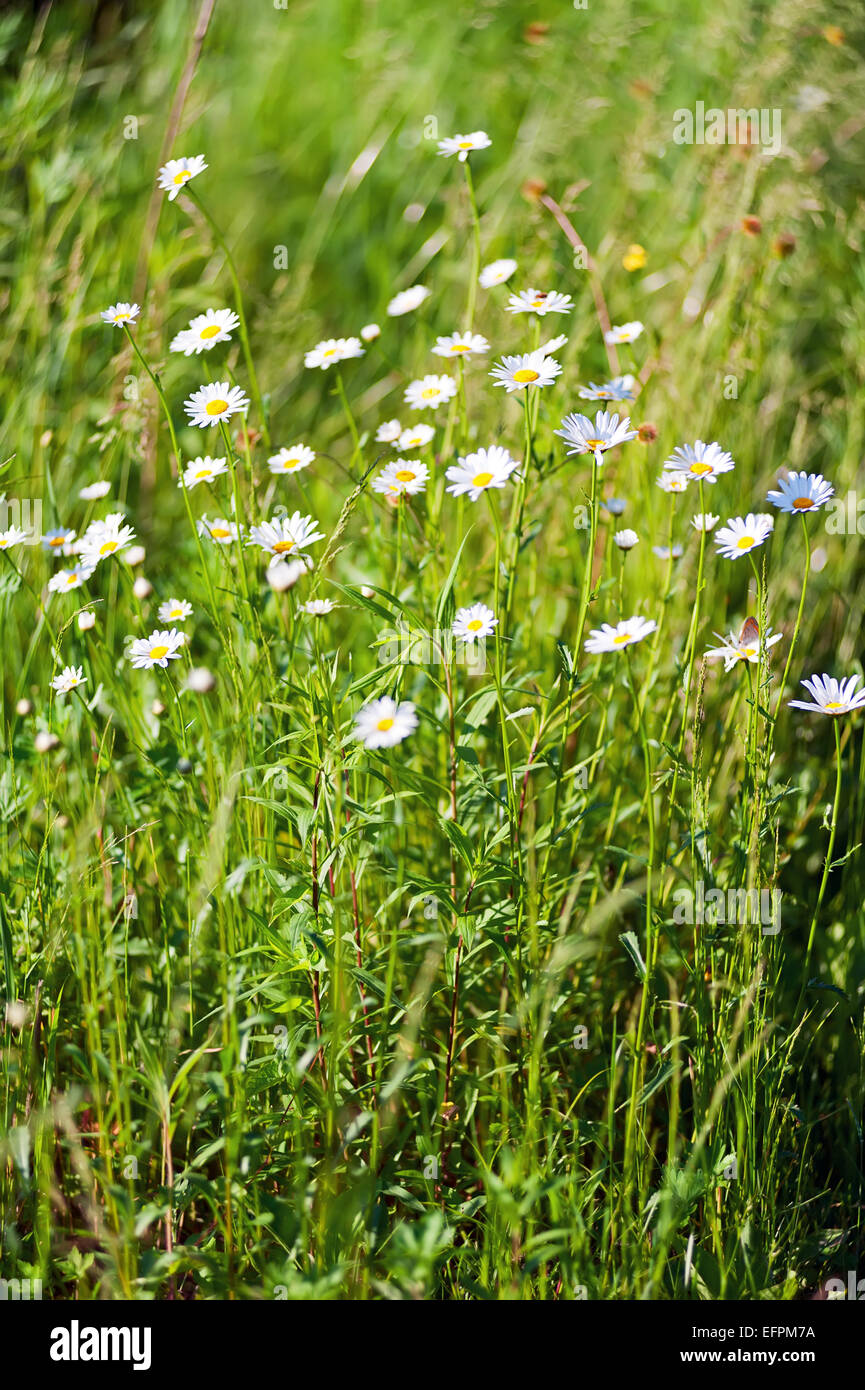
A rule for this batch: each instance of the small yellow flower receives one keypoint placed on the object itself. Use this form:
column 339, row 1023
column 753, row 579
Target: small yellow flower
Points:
column 834, row 35
column 635, row 257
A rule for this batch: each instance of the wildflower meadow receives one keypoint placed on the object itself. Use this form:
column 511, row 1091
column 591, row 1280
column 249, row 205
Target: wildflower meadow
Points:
column 432, row 586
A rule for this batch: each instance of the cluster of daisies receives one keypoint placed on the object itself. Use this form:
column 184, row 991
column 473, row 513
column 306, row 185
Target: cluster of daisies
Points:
column 286, row 539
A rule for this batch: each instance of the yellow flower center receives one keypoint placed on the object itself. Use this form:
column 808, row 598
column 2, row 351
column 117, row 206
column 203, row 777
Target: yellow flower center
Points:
column 621, row 638
column 474, row 625
column 56, row 540
column 157, row 653
column 834, row 704
column 219, row 533
column 802, row 504
column 482, row 479
column 465, row 144
column 430, row 393
column 182, row 176
column 108, row 548
column 72, row 578
column 749, row 651
column 526, row 375
column 460, row 347
column 211, row 330
column 216, row 407
column 701, row 468
column 405, row 475
column 595, row 443
column 279, row 547
column 384, row 724
column 202, row 473
column 745, row 542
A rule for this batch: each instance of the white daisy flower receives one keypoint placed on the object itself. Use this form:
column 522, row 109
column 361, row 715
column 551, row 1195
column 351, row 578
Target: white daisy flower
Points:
column 205, row 331
column 460, row 345
column 104, row 538
column 389, row 432
column 407, row 301
column 332, row 350
column 219, row 400
column 318, row 607
column 614, row 505
column 221, row 531
column 704, row 521
column 474, row 622
column 284, row 574
column 121, row 313
column 801, row 492
column 626, row 540
column 673, row 482
column 382, row 723
column 177, row 172
column 744, row 647
column 539, row 302
column 203, row 470
column 607, row 638
column 71, row 578
column 13, row 536
column 93, row 491
column 429, row 392
column 742, row 534
column 68, row 679
column 174, row 610
column 624, row 332
column 702, row 461
column 481, row 470
column 58, row 540
column 285, row 535
column 416, row 437
column 86, row 619
column 585, row 436
column 621, row 388
column 401, row 476
column 156, row 650
column 462, row 145
column 516, row 373
column 552, row 345
column 291, row 460
column 496, row 273
column 831, row 696
column 370, row 332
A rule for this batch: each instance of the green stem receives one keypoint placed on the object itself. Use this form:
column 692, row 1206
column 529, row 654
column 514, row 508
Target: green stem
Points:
column 238, row 300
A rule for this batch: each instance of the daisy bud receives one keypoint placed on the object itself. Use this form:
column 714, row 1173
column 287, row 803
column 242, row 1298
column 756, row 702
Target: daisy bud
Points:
column 367, row 591
column 284, row 575
column 17, row 1013
column 135, row 555
column 784, row 245
column 142, row 588
column 533, row 189
column 626, row 540
column 752, row 226
column 157, row 709
column 647, row 432
column 44, row 741
column 86, row 619
column 184, row 766
column 23, row 708
column 201, row 680
column 370, row 332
